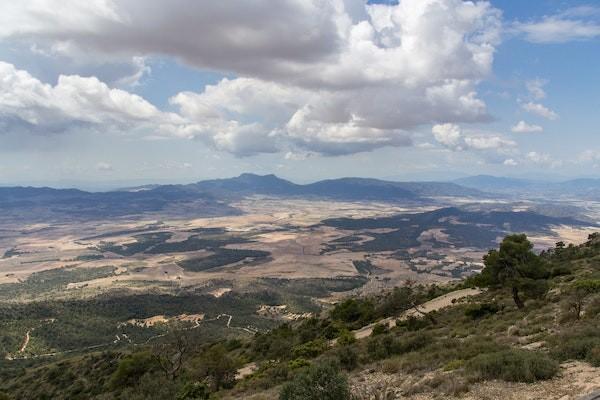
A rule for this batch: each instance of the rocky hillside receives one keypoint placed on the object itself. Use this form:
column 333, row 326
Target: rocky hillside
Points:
column 526, row 327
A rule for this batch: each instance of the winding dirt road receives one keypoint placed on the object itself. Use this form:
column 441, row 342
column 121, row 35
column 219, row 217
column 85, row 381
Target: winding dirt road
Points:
column 25, row 342
column 438, row 303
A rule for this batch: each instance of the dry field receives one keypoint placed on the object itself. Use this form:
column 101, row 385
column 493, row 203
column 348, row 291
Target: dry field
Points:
column 288, row 229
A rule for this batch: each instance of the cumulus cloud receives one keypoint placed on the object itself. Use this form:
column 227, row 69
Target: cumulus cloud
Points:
column 452, row 137
column 539, row 109
column 578, row 23
column 328, row 77
column 524, row 127
column 510, row 162
column 28, row 105
column 542, row 159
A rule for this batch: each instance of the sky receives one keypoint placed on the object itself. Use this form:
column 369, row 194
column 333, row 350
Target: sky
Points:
column 101, row 94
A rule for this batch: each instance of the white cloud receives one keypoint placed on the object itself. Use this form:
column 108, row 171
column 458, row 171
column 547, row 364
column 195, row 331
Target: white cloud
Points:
column 329, row 77
column 578, row 23
column 488, row 142
column 510, row 162
column 539, row 109
column 538, row 158
column 524, row 127
column 449, row 135
column 535, row 88
column 28, row 105
column 326, row 43
column 452, row 137
column 589, row 156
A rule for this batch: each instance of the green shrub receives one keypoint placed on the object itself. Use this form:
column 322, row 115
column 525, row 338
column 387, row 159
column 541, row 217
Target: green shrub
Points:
column 384, row 346
column 354, row 312
column 298, row 363
column 321, row 382
column 379, row 329
column 413, row 323
column 310, row 349
column 347, row 357
column 476, row 311
column 194, row 391
column 513, row 366
column 454, row 364
column 346, row 338
column 577, row 345
column 560, row 270
column 131, row 368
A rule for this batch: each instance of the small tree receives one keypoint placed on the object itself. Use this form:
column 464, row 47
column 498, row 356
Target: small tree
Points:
column 321, row 382
column 414, row 299
column 514, row 265
column 171, row 353
column 579, row 293
column 219, row 367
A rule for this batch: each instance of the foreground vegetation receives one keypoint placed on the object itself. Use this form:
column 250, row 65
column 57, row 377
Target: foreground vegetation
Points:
column 536, row 311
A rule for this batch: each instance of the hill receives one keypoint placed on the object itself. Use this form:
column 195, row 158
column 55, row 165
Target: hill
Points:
column 342, row 188
column 581, row 188
column 47, row 204
column 422, row 342
column 208, row 198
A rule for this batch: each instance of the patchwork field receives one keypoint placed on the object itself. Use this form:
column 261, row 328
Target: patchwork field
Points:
column 275, row 260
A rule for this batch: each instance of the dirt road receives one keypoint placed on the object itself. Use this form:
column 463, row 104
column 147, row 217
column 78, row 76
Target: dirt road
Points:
column 432, row 305
column 25, row 342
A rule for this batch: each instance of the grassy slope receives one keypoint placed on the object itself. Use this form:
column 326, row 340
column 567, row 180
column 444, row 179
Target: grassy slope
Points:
column 484, row 338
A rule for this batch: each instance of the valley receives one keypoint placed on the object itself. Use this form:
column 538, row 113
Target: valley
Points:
column 296, row 253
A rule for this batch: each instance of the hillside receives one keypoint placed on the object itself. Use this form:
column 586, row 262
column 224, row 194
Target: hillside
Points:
column 580, row 188
column 47, row 204
column 342, row 188
column 208, row 198
column 440, row 344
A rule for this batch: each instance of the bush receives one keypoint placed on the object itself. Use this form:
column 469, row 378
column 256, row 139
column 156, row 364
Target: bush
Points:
column 379, row 329
column 560, row 270
column 354, row 312
column 298, row 363
column 321, row 382
column 346, row 337
column 513, row 366
column 310, row 349
column 476, row 311
column 194, row 391
column 384, row 346
column 582, row 343
column 131, row 368
column 347, row 357
column 413, row 323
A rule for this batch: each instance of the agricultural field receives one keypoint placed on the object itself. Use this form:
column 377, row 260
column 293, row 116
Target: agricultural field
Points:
column 73, row 285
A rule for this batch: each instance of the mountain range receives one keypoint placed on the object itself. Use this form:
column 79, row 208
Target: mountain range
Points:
column 213, row 197
column 585, row 188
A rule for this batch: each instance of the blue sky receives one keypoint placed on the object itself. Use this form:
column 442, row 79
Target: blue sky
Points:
column 100, row 94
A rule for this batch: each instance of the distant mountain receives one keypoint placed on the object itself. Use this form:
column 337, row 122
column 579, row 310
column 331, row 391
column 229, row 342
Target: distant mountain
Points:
column 249, row 184
column 342, row 188
column 580, row 188
column 49, row 204
column 493, row 183
column 210, row 197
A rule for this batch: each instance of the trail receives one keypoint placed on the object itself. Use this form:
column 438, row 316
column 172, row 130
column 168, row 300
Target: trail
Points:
column 438, row 303
column 25, row 342
column 432, row 305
